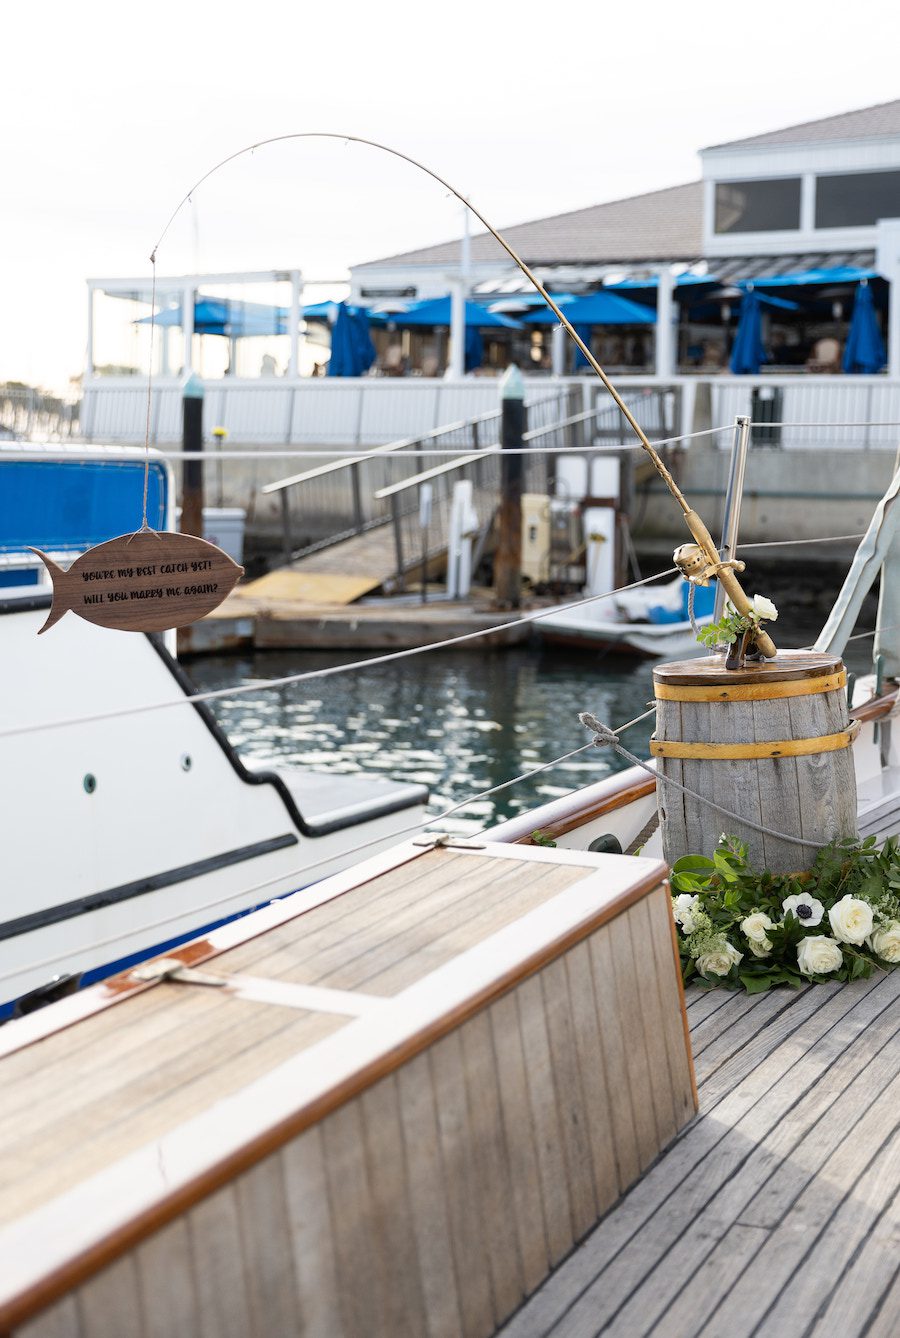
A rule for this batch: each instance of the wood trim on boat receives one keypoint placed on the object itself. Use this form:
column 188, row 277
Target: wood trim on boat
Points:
column 578, row 808
column 876, row 709
column 270, row 1112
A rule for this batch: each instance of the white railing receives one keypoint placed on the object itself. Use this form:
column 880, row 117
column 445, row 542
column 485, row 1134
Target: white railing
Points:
column 369, row 411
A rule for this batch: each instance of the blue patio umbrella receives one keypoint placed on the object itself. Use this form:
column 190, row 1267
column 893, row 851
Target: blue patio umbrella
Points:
column 435, row 311
column 226, row 316
column 747, row 352
column 600, row 308
column 474, row 351
column 352, row 351
column 865, row 347
column 584, row 333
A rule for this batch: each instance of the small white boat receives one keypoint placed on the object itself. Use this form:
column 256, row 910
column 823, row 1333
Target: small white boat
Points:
column 643, row 622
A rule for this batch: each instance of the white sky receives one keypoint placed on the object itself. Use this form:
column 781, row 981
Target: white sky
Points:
column 110, row 112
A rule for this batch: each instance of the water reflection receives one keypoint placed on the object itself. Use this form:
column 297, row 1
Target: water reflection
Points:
column 457, row 721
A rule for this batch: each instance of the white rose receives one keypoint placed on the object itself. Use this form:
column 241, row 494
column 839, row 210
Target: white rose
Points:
column 805, row 908
column 885, row 942
column 755, row 927
column 719, row 961
column 851, row 919
column 817, row 955
column 761, row 949
column 763, row 608
column 684, row 907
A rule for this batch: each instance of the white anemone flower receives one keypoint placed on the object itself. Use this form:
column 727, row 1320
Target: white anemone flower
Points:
column 805, row 908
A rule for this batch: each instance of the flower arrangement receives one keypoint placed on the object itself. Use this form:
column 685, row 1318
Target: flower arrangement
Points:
column 733, row 625
column 740, row 928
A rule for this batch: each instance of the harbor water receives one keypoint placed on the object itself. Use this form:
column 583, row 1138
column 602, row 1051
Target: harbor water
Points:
column 460, row 722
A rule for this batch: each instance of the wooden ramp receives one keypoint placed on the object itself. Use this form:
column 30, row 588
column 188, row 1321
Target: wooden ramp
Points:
column 777, row 1212
column 338, row 574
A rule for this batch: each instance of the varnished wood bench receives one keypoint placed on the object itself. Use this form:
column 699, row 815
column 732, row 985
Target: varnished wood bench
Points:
column 419, row 1084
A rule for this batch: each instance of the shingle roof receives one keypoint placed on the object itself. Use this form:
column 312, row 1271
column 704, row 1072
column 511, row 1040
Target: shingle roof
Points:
column 864, row 123
column 661, row 225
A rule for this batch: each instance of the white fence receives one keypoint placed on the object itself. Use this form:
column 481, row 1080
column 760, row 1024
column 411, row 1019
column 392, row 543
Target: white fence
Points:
column 371, row 411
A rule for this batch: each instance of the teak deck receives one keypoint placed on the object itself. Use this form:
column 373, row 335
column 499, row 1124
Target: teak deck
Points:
column 422, row 1083
column 777, row 1212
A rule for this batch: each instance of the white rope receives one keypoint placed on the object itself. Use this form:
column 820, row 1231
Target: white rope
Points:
column 304, row 869
column 311, row 674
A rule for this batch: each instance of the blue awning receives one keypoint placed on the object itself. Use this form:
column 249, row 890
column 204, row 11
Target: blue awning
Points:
column 812, row 277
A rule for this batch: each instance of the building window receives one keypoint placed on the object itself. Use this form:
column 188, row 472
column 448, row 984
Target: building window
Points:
column 758, row 206
column 857, row 199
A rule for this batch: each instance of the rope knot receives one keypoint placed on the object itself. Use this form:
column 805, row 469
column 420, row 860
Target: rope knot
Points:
column 603, row 736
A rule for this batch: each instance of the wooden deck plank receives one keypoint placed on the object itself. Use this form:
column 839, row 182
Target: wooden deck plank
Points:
column 166, row 1283
column 60, row 1321
column 613, row 1042
column 776, row 1281
column 586, row 1287
column 798, row 1114
column 592, row 1067
column 386, row 1168
column 630, row 1007
column 311, row 1234
column 438, row 1272
column 217, row 1262
column 269, row 1259
column 521, row 1141
column 109, row 1305
column 882, row 1321
column 574, row 1113
column 545, row 1119
column 492, row 1164
column 467, row 1227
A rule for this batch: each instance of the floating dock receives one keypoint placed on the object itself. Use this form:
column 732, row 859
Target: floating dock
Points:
column 270, row 621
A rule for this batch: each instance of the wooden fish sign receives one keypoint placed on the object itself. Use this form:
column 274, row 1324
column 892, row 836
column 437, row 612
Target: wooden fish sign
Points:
column 143, row 582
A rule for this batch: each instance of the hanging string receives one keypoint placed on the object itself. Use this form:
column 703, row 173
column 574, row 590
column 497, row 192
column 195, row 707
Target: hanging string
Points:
column 144, row 525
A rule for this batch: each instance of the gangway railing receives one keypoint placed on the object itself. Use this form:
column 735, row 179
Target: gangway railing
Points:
column 601, row 428
column 339, row 499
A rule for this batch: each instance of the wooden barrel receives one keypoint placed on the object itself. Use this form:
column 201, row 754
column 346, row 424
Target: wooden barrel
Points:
column 770, row 742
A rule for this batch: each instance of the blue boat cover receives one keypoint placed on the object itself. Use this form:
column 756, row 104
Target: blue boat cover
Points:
column 68, row 505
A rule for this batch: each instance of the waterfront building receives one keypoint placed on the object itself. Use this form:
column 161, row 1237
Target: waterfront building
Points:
column 803, row 219
column 805, row 213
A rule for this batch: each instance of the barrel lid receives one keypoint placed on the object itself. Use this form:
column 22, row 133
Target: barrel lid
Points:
column 710, row 669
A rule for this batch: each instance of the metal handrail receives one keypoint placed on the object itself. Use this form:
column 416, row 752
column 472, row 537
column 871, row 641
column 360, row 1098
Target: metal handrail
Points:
column 461, row 461
column 404, row 443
